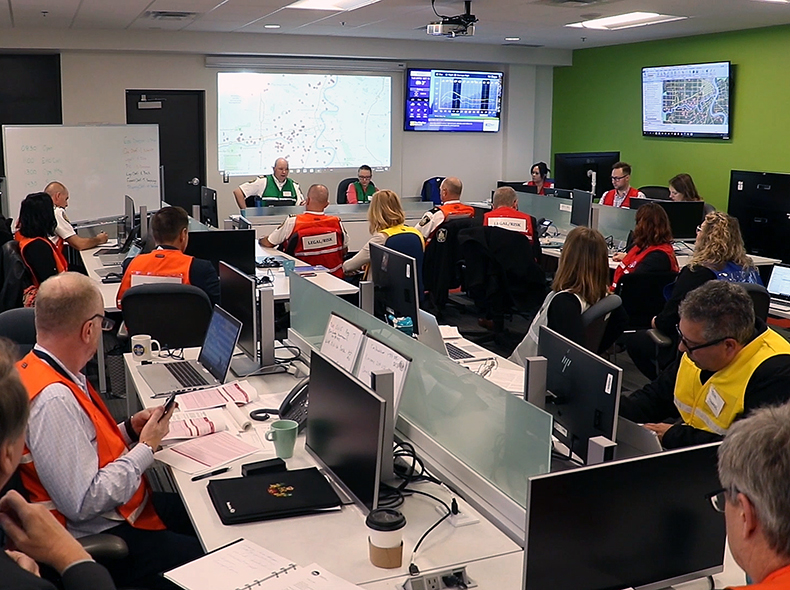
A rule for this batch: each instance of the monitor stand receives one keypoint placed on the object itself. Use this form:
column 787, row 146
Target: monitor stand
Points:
column 243, row 366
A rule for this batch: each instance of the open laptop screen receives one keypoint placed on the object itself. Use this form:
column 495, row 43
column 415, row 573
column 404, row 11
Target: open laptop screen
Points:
column 779, row 283
column 221, row 338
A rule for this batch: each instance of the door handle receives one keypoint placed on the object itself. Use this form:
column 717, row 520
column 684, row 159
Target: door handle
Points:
column 194, row 182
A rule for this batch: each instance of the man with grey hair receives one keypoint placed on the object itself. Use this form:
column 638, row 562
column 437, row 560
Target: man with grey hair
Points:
column 450, row 193
column 505, row 214
column 754, row 468
column 78, row 462
column 731, row 364
column 269, row 187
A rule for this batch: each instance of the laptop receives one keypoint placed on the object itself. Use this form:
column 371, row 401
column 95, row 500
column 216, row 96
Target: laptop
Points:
column 110, row 256
column 779, row 286
column 431, row 336
column 634, row 440
column 211, row 367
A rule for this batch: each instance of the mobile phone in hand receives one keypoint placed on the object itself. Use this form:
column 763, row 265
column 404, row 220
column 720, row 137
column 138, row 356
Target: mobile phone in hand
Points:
column 168, row 404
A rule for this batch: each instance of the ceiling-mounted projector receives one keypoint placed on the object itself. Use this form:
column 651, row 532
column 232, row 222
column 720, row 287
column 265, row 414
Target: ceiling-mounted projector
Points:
column 455, row 26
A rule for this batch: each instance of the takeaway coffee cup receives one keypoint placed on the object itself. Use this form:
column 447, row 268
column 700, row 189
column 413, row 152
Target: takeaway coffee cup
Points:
column 142, row 345
column 385, row 537
column 283, row 434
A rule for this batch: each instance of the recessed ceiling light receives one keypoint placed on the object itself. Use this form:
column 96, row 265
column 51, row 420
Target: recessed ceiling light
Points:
column 626, row 21
column 776, row 1
column 271, row 26
column 334, row 5
column 512, row 38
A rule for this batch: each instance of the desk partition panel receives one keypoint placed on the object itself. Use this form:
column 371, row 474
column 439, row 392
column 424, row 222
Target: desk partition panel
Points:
column 615, row 222
column 494, row 433
column 548, row 207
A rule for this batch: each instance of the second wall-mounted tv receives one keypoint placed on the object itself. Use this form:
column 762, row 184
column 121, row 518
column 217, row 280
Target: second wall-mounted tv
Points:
column 453, row 100
column 687, row 101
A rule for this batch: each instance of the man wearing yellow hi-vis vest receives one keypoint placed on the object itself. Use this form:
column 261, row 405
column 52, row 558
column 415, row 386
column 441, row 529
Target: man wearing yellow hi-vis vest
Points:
column 731, row 364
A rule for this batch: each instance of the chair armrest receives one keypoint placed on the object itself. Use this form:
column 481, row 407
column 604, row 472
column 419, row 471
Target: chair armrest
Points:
column 659, row 338
column 104, row 546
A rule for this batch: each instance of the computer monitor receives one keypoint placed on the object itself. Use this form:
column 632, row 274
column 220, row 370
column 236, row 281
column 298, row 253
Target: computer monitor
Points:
column 238, row 294
column 581, row 208
column 571, row 170
column 208, row 206
column 128, row 209
column 521, row 186
column 233, row 246
column 684, row 216
column 583, row 391
column 345, row 429
column 396, row 290
column 643, row 523
column 277, row 202
column 560, row 193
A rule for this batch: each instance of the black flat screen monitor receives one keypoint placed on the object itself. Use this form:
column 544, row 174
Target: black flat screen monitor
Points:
column 644, row 523
column 208, row 206
column 395, row 285
column 583, row 391
column 277, row 202
column 238, row 294
column 128, row 209
column 570, row 171
column 759, row 200
column 233, row 246
column 560, row 193
column 684, row 216
column 345, row 428
column 520, row 187
column 581, row 208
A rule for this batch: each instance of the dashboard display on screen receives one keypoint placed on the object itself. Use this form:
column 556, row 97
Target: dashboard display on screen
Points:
column 449, row 100
column 687, row 101
column 317, row 122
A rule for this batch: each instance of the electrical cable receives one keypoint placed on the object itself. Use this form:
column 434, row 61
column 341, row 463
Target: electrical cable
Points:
column 433, row 6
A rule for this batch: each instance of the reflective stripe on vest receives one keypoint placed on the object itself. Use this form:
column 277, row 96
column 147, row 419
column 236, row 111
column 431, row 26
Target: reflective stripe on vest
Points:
column 36, row 375
column 163, row 262
column 697, row 402
column 511, row 219
column 319, row 241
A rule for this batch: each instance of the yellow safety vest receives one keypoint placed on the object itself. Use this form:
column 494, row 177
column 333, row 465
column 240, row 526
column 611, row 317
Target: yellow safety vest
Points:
column 714, row 405
column 402, row 229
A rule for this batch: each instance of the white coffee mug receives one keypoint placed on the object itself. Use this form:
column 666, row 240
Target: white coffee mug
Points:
column 142, row 345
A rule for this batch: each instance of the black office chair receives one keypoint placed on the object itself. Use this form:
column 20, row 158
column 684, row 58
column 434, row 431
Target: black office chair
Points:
column 643, row 296
column 441, row 266
column 175, row 315
column 761, row 299
column 16, row 276
column 655, row 192
column 19, row 326
column 342, row 188
column 595, row 320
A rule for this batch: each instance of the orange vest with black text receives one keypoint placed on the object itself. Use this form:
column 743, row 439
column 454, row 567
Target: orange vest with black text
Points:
column 162, row 262
column 319, row 240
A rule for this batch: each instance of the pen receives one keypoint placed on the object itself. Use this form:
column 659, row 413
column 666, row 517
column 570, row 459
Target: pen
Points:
column 210, row 473
column 476, row 360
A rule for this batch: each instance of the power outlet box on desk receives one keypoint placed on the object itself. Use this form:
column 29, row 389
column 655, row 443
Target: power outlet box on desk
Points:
column 437, row 580
column 458, row 520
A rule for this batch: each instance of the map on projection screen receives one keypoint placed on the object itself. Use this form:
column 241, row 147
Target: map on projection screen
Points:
column 316, row 121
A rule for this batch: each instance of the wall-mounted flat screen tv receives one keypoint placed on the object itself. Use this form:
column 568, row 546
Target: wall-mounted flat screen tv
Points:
column 452, row 100
column 687, row 101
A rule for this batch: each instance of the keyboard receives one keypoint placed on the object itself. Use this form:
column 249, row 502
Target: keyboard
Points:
column 457, row 353
column 186, row 374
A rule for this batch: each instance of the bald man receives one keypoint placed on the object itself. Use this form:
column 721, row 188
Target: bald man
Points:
column 272, row 186
column 321, row 237
column 64, row 232
column 450, row 193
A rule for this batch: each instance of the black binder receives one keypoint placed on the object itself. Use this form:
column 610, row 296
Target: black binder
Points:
column 271, row 495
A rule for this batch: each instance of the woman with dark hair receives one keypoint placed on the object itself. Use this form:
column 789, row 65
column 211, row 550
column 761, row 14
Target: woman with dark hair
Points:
column 651, row 245
column 682, row 188
column 540, row 173
column 35, row 226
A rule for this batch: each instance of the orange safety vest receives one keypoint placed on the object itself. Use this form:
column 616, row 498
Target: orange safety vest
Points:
column 635, row 256
column 608, row 198
column 164, row 262
column 454, row 211
column 511, row 219
column 36, row 375
column 319, row 240
column 60, row 260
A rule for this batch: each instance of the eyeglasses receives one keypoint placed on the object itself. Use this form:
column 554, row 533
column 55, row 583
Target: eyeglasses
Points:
column 718, row 499
column 106, row 323
column 699, row 228
column 364, row 177
column 619, row 177
column 690, row 348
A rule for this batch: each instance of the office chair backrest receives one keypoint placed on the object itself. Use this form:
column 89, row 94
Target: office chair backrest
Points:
column 595, row 319
column 16, row 276
column 175, row 315
column 430, row 190
column 440, row 268
column 643, row 296
column 19, row 326
column 655, row 192
column 342, row 188
column 411, row 245
column 761, row 299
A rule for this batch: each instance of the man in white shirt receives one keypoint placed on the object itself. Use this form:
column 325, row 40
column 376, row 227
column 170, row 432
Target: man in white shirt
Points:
column 450, row 192
column 64, row 232
column 270, row 187
column 623, row 192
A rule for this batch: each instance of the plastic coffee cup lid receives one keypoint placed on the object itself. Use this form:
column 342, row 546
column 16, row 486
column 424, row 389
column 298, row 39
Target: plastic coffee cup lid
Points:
column 385, row 519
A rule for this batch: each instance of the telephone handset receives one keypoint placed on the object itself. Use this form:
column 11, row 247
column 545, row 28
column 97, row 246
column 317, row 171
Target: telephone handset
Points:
column 294, row 406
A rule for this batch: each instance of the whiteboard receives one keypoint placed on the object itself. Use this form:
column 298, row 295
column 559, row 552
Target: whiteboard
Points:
column 342, row 341
column 378, row 357
column 98, row 164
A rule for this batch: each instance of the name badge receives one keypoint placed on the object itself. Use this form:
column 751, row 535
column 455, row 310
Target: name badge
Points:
column 286, row 193
column 714, row 401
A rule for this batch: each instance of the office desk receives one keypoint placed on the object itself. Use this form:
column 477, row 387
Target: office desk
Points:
column 336, row 540
column 282, row 289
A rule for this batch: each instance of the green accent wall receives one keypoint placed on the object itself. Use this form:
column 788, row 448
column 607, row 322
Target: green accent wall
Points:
column 598, row 103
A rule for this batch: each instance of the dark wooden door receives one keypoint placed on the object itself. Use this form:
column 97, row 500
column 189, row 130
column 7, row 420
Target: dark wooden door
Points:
column 181, row 116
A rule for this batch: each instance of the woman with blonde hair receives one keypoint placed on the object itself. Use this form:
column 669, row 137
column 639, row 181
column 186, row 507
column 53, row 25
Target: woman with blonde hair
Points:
column 719, row 254
column 582, row 279
column 385, row 219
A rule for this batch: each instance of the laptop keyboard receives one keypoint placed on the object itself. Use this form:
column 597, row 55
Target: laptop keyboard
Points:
column 186, row 374
column 457, row 353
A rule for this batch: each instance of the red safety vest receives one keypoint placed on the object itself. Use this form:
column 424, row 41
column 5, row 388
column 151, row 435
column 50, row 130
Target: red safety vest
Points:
column 159, row 263
column 546, row 184
column 60, row 260
column 635, row 256
column 512, row 219
column 319, row 241
column 110, row 445
column 608, row 198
